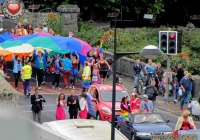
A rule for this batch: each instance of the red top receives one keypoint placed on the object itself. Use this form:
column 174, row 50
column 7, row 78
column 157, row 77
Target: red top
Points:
column 74, row 66
column 134, row 105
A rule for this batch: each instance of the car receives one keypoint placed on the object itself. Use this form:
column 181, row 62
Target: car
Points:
column 82, row 129
column 99, row 101
column 142, row 126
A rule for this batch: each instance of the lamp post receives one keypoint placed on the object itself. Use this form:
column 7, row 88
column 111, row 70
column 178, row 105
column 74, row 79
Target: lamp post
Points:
column 148, row 52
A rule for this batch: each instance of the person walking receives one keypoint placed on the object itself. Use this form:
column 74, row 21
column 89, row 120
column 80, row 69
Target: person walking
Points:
column 151, row 91
column 159, row 74
column 26, row 74
column 36, row 101
column 103, row 68
column 4, row 64
column 83, row 106
column 74, row 71
column 73, row 103
column 67, row 67
column 186, row 89
column 86, row 77
column 56, row 74
column 17, row 66
column 180, row 73
column 175, row 89
column 61, row 104
column 95, row 75
column 40, row 65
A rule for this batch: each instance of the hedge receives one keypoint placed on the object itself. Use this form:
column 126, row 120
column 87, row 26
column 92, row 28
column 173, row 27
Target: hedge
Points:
column 134, row 39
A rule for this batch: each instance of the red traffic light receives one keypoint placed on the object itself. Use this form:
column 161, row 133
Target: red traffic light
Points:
column 172, row 36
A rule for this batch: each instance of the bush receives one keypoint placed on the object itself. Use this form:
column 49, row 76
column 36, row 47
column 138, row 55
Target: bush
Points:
column 134, row 39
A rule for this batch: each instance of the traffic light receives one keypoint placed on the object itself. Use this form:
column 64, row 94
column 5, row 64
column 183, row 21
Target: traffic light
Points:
column 172, row 43
column 168, row 42
column 179, row 41
column 163, row 41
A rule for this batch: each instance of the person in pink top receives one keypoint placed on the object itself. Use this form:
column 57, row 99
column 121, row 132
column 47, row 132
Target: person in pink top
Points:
column 83, row 105
column 95, row 75
column 135, row 103
column 61, row 104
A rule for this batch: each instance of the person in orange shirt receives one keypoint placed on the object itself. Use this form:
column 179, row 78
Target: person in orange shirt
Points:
column 22, row 31
column 134, row 103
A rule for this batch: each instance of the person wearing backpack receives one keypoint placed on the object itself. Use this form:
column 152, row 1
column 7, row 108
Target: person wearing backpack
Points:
column 151, row 91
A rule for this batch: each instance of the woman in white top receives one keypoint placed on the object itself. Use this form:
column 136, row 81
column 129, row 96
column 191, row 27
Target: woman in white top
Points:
column 83, row 105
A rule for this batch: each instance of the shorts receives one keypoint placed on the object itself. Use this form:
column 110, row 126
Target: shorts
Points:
column 103, row 74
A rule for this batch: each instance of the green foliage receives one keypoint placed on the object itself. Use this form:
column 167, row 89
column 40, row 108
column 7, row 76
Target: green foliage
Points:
column 133, row 40
column 55, row 22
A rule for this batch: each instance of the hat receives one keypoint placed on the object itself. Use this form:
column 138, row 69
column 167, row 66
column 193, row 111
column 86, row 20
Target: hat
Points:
column 145, row 96
column 133, row 94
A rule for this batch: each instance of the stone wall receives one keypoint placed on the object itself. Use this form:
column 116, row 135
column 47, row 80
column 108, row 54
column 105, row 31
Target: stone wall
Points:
column 124, row 67
column 69, row 13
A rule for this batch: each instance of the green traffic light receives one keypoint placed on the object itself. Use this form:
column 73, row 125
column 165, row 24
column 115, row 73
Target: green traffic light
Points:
column 164, row 50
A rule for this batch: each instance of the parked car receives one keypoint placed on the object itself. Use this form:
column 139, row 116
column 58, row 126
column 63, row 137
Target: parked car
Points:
column 143, row 126
column 81, row 129
column 99, row 101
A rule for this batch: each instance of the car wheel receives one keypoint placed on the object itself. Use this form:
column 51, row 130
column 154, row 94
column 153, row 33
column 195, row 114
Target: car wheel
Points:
column 98, row 117
column 139, row 88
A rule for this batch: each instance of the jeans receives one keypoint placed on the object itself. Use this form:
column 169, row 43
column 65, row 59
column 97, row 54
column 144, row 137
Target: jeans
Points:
column 184, row 98
column 175, row 94
column 26, row 85
column 66, row 75
column 38, row 115
column 44, row 75
column 154, row 105
column 17, row 76
column 147, row 79
column 136, row 79
column 57, row 80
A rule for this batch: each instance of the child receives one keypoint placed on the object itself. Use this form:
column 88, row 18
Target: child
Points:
column 95, row 75
column 2, row 72
column 175, row 88
column 161, row 88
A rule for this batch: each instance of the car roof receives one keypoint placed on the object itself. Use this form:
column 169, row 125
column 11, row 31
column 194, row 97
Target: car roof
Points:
column 84, row 129
column 109, row 87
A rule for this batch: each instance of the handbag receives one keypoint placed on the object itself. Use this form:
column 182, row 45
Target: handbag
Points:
column 180, row 91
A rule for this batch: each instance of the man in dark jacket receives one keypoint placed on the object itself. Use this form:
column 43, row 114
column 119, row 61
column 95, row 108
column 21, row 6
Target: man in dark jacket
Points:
column 36, row 101
column 151, row 91
column 73, row 103
column 159, row 74
column 138, row 70
column 180, row 73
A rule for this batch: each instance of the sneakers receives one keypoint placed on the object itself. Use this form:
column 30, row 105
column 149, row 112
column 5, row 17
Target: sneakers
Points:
column 134, row 89
column 29, row 94
column 70, row 86
column 58, row 88
column 66, row 87
column 73, row 87
column 39, row 88
column 144, row 87
column 52, row 87
column 43, row 82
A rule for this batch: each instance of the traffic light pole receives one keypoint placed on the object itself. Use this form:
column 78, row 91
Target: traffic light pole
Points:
column 168, row 76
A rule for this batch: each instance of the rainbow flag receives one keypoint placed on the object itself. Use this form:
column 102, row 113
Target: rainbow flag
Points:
column 86, row 83
column 124, row 114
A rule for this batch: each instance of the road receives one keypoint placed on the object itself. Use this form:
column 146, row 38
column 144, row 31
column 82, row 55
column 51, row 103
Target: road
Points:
column 48, row 114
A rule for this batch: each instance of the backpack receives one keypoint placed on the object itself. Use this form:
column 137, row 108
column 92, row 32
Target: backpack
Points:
column 52, row 68
column 150, row 92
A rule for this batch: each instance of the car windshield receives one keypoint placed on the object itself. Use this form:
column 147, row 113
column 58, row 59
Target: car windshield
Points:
column 147, row 118
column 106, row 96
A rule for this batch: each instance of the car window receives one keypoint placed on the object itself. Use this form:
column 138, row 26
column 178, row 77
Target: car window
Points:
column 106, row 95
column 148, row 118
column 95, row 95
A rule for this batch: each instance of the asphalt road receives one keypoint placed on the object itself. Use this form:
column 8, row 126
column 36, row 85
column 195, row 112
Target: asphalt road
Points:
column 48, row 114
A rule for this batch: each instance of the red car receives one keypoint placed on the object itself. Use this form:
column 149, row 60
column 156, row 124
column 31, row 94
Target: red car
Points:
column 99, row 101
